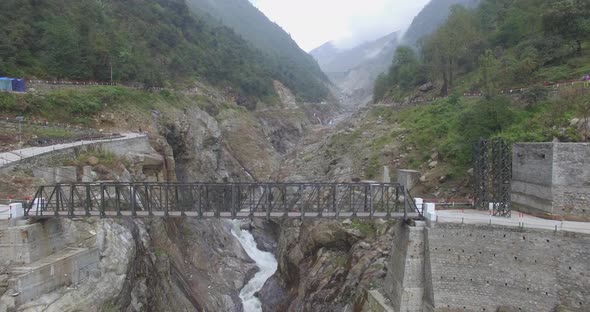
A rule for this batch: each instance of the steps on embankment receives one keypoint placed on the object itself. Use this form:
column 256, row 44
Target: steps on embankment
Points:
column 67, row 267
column 25, row 243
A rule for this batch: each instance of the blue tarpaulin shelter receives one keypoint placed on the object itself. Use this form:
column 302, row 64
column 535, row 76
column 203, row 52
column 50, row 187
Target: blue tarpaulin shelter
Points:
column 19, row 85
column 5, row 84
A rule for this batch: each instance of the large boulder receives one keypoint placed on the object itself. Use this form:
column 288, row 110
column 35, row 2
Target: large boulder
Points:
column 426, row 87
column 151, row 161
column 92, row 161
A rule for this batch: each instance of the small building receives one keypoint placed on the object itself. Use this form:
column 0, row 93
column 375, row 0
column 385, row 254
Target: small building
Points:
column 552, row 179
column 13, row 84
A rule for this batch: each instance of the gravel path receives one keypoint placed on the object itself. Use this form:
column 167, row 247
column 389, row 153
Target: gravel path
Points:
column 12, row 157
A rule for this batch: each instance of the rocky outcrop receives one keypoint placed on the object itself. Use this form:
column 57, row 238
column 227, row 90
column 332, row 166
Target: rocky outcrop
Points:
column 283, row 129
column 245, row 140
column 234, row 146
column 266, row 233
column 328, row 265
column 288, row 100
column 195, row 139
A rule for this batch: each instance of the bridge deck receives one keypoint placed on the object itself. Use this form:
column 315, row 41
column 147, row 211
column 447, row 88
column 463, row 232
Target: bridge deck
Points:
column 229, row 215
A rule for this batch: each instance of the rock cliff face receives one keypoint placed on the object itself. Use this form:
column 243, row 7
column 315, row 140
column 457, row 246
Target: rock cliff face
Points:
column 233, row 145
column 327, row 265
column 196, row 142
column 155, row 265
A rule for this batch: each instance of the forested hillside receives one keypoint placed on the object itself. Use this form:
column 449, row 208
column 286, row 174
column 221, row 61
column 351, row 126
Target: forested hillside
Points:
column 155, row 42
column 501, row 44
column 294, row 66
column 431, row 17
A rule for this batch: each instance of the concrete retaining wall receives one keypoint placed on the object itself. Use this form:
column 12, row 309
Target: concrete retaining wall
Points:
column 483, row 268
column 552, row 179
column 52, row 175
column 396, row 266
column 532, row 176
column 405, row 277
column 29, row 243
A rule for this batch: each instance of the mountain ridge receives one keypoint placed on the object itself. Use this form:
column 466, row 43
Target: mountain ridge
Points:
column 354, row 70
column 267, row 36
column 335, row 60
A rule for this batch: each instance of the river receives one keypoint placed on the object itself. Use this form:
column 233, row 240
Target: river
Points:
column 265, row 261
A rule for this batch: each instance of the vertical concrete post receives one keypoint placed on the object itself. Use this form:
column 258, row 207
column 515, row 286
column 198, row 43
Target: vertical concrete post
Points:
column 408, row 178
column 386, row 176
column 87, row 174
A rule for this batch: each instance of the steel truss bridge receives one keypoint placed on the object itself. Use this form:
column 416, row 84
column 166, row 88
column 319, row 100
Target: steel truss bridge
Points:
column 224, row 200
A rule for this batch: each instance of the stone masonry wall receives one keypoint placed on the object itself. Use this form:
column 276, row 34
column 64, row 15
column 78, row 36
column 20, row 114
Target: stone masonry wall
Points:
column 484, row 268
column 571, row 180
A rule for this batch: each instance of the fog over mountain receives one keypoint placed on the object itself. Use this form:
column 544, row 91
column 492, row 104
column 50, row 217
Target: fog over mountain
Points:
column 347, row 23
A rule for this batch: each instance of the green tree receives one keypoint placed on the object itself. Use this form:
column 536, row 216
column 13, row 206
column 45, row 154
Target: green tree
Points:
column 381, row 87
column 406, row 70
column 486, row 118
column 452, row 42
column 489, row 68
column 569, row 19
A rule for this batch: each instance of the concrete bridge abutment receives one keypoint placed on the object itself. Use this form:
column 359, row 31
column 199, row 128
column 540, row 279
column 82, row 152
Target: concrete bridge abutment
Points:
column 39, row 260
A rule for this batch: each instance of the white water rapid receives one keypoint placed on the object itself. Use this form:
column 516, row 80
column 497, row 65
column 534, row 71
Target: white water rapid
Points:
column 265, row 261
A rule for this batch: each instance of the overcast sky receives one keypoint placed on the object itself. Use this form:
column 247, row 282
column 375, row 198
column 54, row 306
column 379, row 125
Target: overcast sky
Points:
column 348, row 22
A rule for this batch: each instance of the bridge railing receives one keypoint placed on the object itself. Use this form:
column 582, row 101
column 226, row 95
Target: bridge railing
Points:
column 228, row 200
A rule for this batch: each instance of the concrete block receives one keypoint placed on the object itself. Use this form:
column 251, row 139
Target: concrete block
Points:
column 51, row 175
column 4, row 212
column 87, row 174
column 66, row 174
column 45, row 173
column 430, row 208
column 26, row 243
column 16, row 211
column 408, row 178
